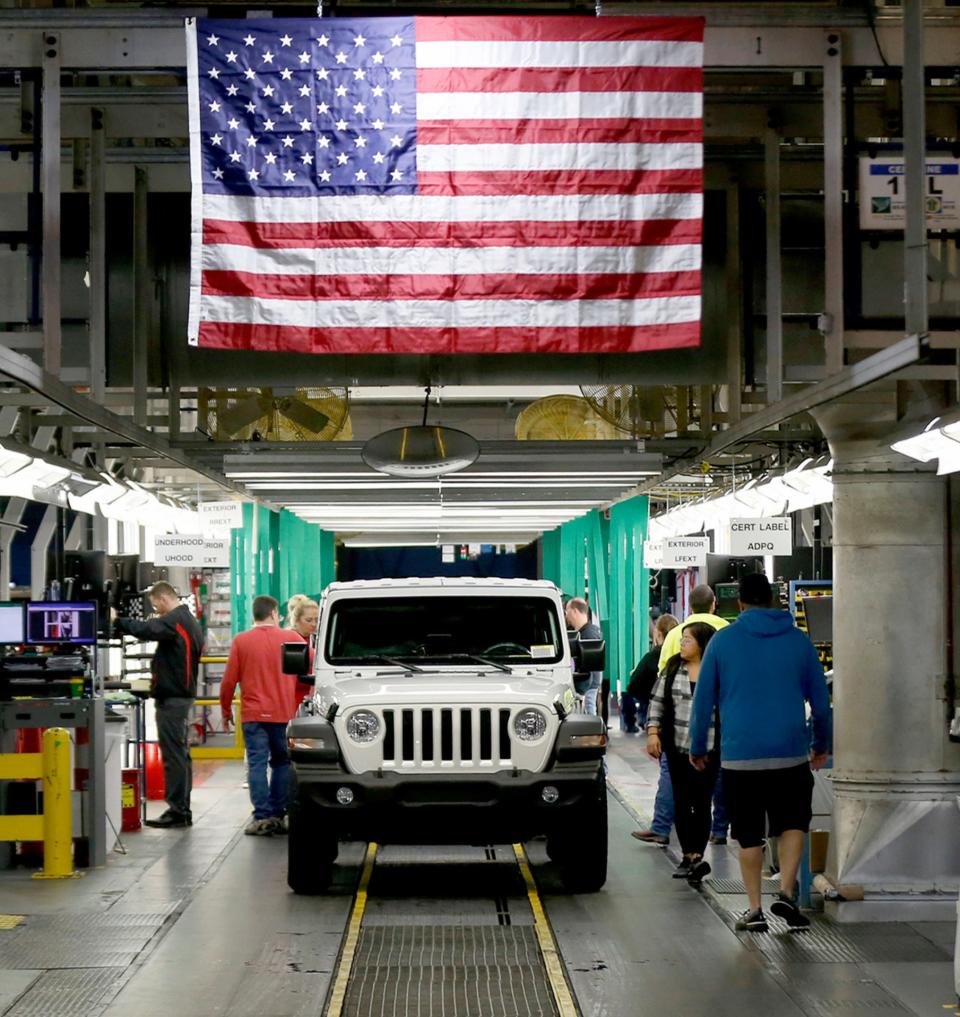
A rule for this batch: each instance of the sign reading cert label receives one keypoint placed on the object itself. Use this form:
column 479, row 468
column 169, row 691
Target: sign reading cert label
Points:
column 761, row 536
column 883, row 204
column 179, row 549
column 685, row 552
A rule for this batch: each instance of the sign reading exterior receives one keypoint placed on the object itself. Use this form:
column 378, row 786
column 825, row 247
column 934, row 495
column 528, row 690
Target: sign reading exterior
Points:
column 216, row 553
column 883, row 201
column 685, row 552
column 653, row 554
column 773, row 535
column 220, row 516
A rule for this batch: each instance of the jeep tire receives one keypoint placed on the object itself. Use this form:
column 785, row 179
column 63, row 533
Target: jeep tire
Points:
column 311, row 849
column 580, row 849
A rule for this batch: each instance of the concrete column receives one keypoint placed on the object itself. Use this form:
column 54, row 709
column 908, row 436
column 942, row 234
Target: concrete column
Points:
column 896, row 775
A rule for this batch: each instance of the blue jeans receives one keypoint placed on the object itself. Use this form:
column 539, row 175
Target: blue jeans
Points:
column 663, row 807
column 267, row 743
column 590, row 700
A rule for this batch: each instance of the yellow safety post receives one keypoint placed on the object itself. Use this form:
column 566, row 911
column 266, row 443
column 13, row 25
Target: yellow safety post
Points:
column 57, row 818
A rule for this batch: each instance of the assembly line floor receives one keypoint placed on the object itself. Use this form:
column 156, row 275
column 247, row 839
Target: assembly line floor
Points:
column 199, row 923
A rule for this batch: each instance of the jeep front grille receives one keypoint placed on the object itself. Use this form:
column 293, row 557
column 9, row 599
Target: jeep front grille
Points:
column 446, row 736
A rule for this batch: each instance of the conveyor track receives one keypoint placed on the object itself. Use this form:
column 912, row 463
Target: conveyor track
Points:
column 448, row 933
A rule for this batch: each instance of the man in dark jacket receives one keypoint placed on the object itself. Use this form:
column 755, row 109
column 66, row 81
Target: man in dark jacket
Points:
column 174, row 687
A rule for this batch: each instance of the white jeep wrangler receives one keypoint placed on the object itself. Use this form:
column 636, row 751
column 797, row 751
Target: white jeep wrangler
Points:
column 443, row 713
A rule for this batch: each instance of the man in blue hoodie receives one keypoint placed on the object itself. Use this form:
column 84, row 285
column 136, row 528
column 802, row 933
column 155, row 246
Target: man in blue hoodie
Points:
column 759, row 673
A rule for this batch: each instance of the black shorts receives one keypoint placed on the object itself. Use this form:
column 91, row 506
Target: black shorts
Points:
column 762, row 802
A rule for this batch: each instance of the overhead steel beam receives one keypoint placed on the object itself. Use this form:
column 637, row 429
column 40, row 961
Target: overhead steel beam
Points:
column 915, row 171
column 50, row 161
column 25, row 372
column 774, row 274
column 853, row 377
column 98, row 258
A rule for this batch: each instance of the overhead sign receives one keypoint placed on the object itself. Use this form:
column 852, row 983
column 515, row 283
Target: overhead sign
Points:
column 179, row 549
column 191, row 550
column 653, row 554
column 216, row 553
column 883, row 202
column 685, row 552
column 773, row 535
column 220, row 516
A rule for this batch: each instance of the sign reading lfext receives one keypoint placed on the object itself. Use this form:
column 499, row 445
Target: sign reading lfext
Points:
column 220, row 516
column 685, row 552
column 216, row 553
column 653, row 554
column 773, row 535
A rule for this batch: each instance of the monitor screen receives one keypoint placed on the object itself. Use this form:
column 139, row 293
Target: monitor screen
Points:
column 68, row 622
column 11, row 624
column 819, row 614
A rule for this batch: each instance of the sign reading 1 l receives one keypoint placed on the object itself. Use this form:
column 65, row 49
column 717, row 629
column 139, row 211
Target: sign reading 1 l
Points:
column 883, row 202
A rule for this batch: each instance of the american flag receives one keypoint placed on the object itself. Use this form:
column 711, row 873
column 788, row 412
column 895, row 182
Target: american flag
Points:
column 446, row 185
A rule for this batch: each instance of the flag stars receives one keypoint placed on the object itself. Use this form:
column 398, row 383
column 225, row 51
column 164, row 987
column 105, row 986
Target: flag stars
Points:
column 396, row 141
column 377, row 91
column 341, row 91
column 396, row 40
column 305, row 125
column 268, row 124
column 268, row 90
column 359, row 74
column 341, row 57
column 395, row 108
column 249, row 74
column 250, row 107
column 360, row 142
column 359, row 40
column 378, row 157
column 218, row 174
column 285, row 40
column 214, row 106
column 377, row 58
column 267, row 57
column 359, row 107
column 307, row 159
column 361, row 175
column 286, row 108
column 304, row 90
column 289, row 176
column 213, row 40
column 253, row 174
column 304, row 57
column 343, row 159
column 286, row 74
column 323, row 40
column 215, row 139
column 378, row 124
column 341, row 124
column 323, row 141
column 231, row 57
column 324, row 176
column 233, row 123
column 234, row 156
column 249, row 40
column 397, row 174
column 322, row 109
column 395, row 74
column 323, row 74
column 271, row 158
column 214, row 73
column 252, row 142
column 232, row 89
column 287, row 141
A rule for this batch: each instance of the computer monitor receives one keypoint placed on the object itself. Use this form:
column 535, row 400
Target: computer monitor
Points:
column 819, row 614
column 73, row 622
column 11, row 624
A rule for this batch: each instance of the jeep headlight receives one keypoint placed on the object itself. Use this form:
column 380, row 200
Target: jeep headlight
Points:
column 363, row 726
column 529, row 725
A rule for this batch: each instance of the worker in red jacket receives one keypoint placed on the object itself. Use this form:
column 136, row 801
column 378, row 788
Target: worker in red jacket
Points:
column 268, row 701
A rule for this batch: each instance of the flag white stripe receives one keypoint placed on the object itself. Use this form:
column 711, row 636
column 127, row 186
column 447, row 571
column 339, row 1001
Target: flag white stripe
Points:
column 362, row 314
column 452, row 261
column 455, row 208
column 457, row 53
column 558, row 105
column 583, row 156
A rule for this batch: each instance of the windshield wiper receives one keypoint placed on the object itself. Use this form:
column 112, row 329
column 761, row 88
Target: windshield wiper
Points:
column 396, row 661
column 479, row 660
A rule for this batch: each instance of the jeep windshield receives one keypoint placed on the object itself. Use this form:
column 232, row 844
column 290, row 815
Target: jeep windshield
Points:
column 437, row 629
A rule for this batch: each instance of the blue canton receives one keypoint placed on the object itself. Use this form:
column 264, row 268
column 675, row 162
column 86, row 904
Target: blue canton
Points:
column 299, row 107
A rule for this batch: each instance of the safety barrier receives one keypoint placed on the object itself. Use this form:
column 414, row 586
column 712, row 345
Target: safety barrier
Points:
column 234, row 751
column 54, row 827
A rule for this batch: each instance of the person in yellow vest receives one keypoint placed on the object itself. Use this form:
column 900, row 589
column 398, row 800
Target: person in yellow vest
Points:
column 704, row 604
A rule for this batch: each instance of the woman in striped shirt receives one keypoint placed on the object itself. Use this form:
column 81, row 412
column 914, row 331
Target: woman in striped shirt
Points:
column 668, row 730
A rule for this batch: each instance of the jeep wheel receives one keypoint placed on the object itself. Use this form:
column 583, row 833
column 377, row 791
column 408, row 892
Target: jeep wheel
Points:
column 311, row 850
column 581, row 849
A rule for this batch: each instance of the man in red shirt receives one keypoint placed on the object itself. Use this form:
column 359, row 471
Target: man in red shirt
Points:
column 268, row 702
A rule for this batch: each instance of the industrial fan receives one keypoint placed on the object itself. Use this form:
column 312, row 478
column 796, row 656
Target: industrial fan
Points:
column 306, row 414
column 637, row 410
column 562, row 418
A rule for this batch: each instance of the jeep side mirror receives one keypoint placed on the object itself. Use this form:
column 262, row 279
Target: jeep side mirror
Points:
column 295, row 659
column 588, row 654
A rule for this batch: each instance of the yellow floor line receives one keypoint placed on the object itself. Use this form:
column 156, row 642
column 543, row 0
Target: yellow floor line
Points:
column 548, row 945
column 347, row 955
column 10, row 921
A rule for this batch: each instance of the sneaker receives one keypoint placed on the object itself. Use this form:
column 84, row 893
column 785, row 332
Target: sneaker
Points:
column 649, row 837
column 786, row 908
column 280, row 824
column 718, row 841
column 751, row 921
column 682, row 871
column 259, row 828
column 698, row 870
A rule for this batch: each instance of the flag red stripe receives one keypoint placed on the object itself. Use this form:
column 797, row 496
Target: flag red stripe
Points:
column 563, row 182
column 610, row 286
column 479, row 132
column 296, row 339
column 559, row 79
column 489, row 233
column 560, row 28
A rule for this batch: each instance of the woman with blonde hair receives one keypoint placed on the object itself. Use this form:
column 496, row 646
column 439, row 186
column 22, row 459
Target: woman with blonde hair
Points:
column 302, row 615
